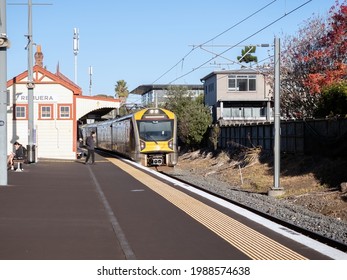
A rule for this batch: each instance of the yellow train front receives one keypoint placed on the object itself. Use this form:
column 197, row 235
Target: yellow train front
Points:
column 148, row 136
column 156, row 136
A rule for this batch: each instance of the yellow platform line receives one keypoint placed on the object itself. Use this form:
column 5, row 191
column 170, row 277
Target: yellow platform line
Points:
column 252, row 243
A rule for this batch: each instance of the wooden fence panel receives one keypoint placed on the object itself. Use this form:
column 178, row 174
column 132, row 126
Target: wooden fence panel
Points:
column 301, row 136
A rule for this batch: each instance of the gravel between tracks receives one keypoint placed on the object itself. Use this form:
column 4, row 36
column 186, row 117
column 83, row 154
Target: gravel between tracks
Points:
column 286, row 210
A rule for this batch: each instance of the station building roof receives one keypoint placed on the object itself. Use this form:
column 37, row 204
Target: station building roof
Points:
column 84, row 104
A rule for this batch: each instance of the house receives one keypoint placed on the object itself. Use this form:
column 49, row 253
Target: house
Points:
column 155, row 94
column 238, row 96
column 58, row 108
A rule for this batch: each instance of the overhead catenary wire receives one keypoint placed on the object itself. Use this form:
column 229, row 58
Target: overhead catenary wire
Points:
column 210, row 40
column 233, row 46
column 232, row 61
column 236, row 24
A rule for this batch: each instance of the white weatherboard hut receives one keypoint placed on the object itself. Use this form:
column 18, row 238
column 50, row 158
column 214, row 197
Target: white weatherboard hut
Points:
column 58, row 107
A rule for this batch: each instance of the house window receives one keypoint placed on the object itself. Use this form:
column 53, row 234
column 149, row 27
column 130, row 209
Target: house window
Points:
column 210, row 87
column 64, row 111
column 242, row 82
column 20, row 112
column 46, row 111
column 252, row 83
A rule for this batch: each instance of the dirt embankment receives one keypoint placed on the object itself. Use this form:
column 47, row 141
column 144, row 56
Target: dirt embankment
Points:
column 312, row 182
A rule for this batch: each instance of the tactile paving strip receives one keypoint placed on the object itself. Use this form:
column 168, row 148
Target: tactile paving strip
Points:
column 252, row 243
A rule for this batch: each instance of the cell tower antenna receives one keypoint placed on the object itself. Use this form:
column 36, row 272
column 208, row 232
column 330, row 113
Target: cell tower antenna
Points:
column 90, row 70
column 76, row 48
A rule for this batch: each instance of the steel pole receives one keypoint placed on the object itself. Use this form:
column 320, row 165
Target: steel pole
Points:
column 3, row 97
column 75, row 49
column 30, row 85
column 75, row 65
column 277, row 120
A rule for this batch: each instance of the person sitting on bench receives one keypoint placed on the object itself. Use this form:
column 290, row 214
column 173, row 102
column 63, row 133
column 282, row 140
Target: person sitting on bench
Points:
column 18, row 155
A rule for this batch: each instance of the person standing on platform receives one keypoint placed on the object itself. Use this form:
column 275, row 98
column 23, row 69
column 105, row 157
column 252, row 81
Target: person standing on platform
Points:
column 90, row 143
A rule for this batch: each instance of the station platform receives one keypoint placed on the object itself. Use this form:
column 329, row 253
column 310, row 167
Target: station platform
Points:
column 51, row 210
column 66, row 210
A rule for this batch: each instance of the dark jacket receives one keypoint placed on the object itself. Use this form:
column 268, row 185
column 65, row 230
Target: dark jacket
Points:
column 19, row 153
column 90, row 143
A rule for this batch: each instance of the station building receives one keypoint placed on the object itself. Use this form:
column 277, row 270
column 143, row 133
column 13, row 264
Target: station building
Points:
column 59, row 108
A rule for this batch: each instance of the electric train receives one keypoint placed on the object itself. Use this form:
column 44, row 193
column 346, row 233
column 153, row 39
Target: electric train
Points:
column 148, row 136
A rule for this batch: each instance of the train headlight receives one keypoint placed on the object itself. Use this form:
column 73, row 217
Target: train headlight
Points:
column 170, row 144
column 142, row 145
column 154, row 111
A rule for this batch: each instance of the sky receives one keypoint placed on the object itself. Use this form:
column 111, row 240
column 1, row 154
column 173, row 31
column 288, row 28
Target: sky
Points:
column 152, row 41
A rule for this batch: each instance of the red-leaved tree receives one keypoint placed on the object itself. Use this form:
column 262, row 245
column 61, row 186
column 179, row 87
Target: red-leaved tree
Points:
column 313, row 59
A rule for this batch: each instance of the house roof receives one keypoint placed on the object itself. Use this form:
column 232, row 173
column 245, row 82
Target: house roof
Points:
column 142, row 89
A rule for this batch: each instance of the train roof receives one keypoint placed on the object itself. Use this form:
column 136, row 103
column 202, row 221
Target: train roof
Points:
column 153, row 111
column 137, row 115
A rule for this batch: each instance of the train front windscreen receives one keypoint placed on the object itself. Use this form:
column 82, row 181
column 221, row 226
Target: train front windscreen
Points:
column 155, row 130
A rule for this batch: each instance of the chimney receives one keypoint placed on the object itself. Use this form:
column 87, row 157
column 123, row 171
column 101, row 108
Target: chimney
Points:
column 38, row 56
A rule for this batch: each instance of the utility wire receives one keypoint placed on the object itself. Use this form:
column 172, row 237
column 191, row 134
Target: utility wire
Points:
column 233, row 46
column 246, row 18
column 215, row 37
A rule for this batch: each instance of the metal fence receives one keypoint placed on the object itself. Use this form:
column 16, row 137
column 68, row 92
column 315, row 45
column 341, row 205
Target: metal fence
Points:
column 318, row 136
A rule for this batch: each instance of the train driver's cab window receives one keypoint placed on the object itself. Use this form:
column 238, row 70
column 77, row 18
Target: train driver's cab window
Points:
column 155, row 130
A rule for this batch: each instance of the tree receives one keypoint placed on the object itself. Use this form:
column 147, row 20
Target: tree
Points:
column 214, row 136
column 313, row 59
column 121, row 90
column 193, row 117
column 328, row 60
column 246, row 55
column 333, row 101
